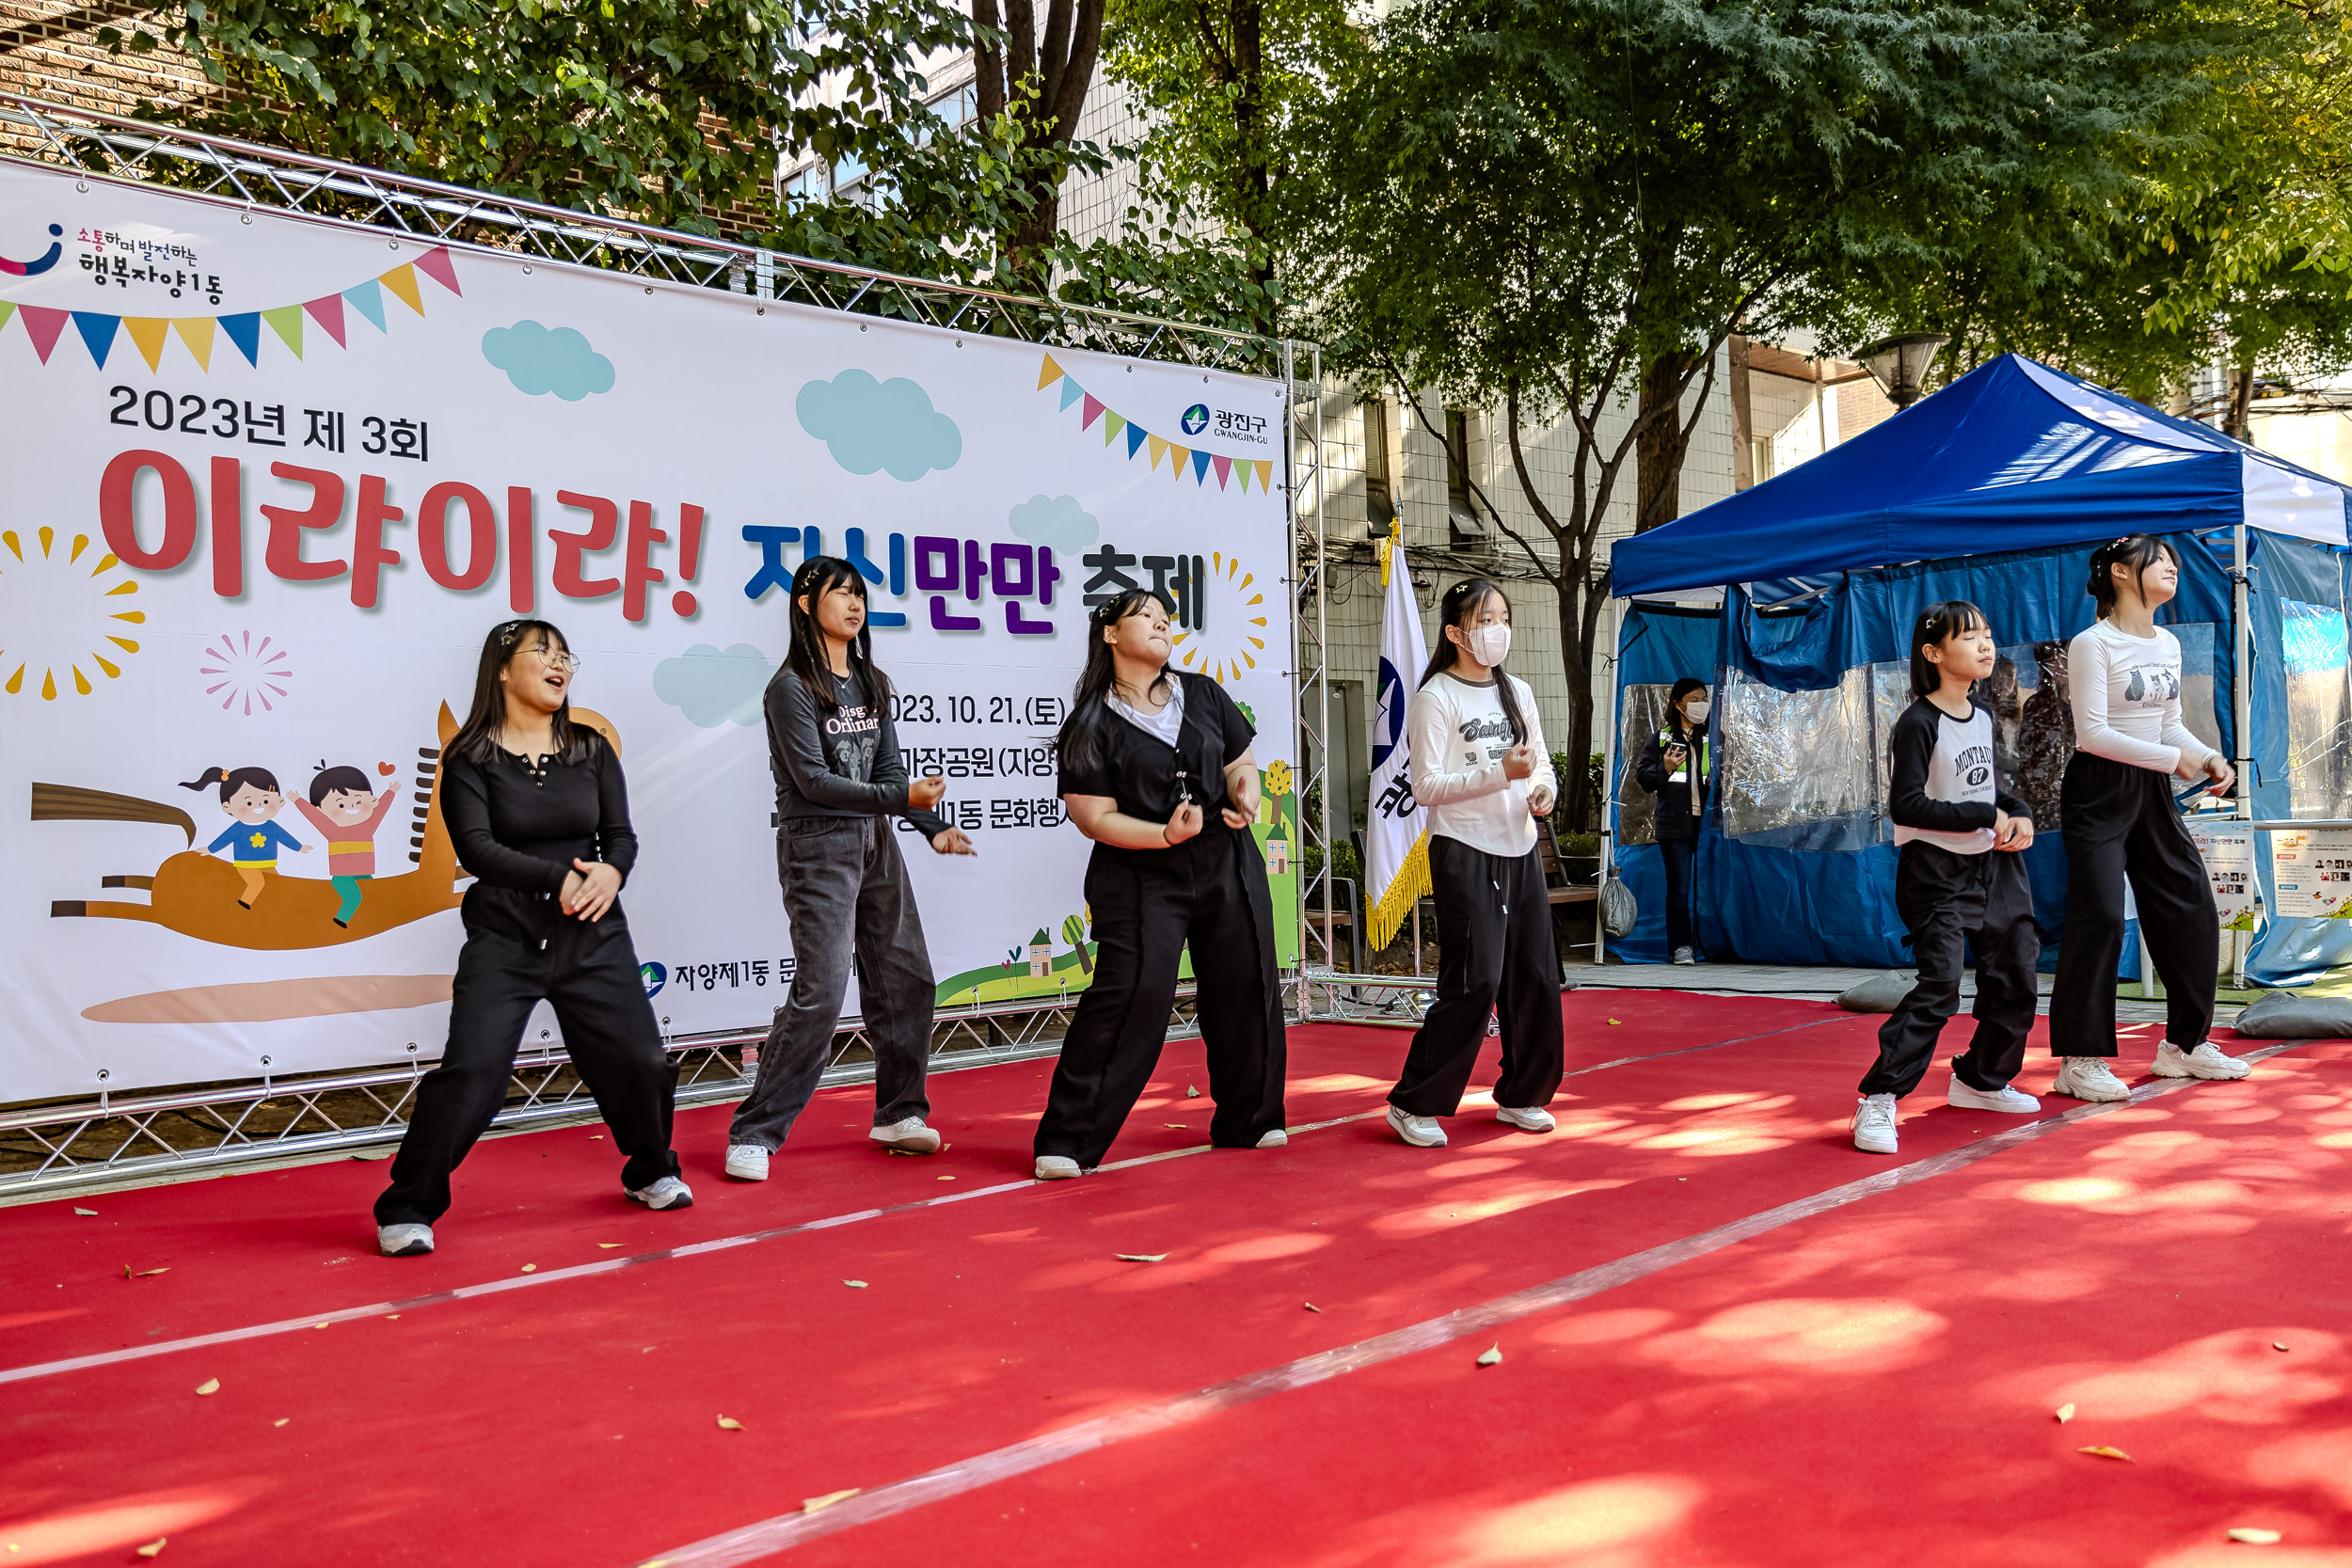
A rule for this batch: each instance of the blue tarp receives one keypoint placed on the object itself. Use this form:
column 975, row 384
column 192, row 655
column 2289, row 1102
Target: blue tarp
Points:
column 1995, row 490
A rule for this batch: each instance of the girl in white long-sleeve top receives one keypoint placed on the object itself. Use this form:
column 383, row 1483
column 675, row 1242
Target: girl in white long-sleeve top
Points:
column 2120, row 822
column 1479, row 764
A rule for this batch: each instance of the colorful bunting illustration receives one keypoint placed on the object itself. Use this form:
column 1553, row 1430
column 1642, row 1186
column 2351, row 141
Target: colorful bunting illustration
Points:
column 98, row 331
column 1181, row 459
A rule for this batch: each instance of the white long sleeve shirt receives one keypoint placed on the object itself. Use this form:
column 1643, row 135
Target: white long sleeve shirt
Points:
column 2126, row 692
column 1458, row 734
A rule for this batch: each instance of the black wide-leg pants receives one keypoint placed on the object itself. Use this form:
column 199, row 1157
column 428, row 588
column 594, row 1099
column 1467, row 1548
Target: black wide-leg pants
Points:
column 1209, row 894
column 1947, row 902
column 520, row 950
column 1496, row 954
column 2121, row 823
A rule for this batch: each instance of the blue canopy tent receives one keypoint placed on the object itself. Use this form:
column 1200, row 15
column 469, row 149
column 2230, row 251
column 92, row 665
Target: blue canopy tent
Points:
column 1994, row 489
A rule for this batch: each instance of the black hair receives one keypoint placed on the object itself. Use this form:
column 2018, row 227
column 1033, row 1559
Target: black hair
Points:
column 1935, row 624
column 233, row 779
column 1683, row 688
column 1083, row 739
column 819, row 575
column 2136, row 550
column 329, row 780
column 476, row 740
column 1463, row 600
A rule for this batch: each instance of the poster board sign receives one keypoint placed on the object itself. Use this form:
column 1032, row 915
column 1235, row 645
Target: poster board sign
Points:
column 271, row 482
column 2312, row 868
column 2228, row 852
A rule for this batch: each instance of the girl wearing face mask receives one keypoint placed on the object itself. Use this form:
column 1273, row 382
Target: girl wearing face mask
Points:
column 2120, row 823
column 1479, row 764
column 1679, row 768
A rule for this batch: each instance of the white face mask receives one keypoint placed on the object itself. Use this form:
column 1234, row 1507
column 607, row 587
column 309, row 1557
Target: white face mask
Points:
column 1698, row 709
column 1491, row 645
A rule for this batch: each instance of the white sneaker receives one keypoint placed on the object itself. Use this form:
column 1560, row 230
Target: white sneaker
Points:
column 1874, row 1124
column 1682, row 955
column 2089, row 1078
column 2008, row 1099
column 1057, row 1167
column 666, row 1193
column 1275, row 1139
column 1421, row 1132
column 1527, row 1118
column 908, row 1137
column 2203, row 1062
column 747, row 1162
column 403, row 1240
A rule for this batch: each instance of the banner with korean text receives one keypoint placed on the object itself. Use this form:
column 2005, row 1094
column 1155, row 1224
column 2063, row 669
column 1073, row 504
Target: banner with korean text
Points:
column 270, row 481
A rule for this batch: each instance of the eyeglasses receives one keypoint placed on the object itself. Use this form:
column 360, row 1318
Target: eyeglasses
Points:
column 557, row 658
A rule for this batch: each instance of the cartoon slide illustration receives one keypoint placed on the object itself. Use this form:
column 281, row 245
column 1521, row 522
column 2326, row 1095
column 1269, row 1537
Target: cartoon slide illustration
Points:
column 245, row 902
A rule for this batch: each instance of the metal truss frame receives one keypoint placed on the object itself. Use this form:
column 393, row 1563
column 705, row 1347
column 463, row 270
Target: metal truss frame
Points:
column 115, row 1139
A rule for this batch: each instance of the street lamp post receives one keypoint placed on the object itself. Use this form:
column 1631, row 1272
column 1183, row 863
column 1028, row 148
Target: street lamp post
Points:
column 1899, row 365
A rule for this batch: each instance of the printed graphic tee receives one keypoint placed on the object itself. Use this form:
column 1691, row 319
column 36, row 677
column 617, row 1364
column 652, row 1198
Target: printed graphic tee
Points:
column 1944, row 787
column 2126, row 692
column 1459, row 734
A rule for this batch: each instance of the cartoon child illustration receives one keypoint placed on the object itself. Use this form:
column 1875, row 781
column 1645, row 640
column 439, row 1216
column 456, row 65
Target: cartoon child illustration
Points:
column 251, row 796
column 345, row 809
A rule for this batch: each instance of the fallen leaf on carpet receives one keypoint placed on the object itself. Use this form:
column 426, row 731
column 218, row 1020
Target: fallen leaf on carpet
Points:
column 210, row 1385
column 528, row 1268
column 1493, row 1356
column 596, row 1137
column 729, row 1424
column 92, row 1212
column 318, row 1326
column 854, row 1284
column 2255, row 1537
column 2065, row 1413
column 608, row 1245
column 1177, row 1125
column 2104, row 1452
column 946, row 1178
column 2275, row 1344
column 150, row 1274
column 1312, row 1308
column 810, row 1505
column 1613, row 1023
column 381, row 1155
column 1141, row 1257
column 1190, row 1093
column 155, row 1547
column 282, row 1420
column 391, row 1317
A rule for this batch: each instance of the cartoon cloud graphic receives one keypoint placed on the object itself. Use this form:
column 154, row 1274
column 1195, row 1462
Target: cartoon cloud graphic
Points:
column 871, row 425
column 539, row 359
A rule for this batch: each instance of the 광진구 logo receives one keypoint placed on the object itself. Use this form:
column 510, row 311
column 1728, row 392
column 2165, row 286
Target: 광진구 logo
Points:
column 1195, row 418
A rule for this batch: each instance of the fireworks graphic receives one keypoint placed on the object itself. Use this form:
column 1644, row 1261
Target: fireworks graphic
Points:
column 245, row 672
column 1235, row 618
column 61, row 617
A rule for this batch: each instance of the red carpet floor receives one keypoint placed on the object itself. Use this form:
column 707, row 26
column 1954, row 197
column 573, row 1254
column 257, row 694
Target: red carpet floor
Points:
column 1876, row 1379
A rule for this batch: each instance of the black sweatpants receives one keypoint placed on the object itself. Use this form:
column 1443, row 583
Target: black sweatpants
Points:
column 520, row 950
column 1209, row 894
column 1947, row 901
column 1681, row 858
column 2120, row 823
column 1496, row 954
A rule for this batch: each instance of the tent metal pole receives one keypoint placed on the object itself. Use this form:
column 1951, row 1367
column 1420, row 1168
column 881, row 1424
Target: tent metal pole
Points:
column 2241, row 714
column 1608, row 834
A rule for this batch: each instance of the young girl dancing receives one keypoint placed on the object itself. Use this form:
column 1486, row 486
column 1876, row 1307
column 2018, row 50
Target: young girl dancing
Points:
column 1480, row 765
column 1959, row 879
column 2120, row 822
column 839, row 782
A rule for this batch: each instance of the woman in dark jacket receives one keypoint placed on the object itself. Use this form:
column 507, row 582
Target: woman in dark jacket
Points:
column 539, row 815
column 1679, row 768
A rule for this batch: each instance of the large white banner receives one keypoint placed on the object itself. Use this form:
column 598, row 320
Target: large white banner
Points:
column 270, row 481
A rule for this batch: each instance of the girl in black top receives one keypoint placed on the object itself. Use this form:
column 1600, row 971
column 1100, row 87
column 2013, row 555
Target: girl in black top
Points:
column 1678, row 767
column 538, row 813
column 840, row 781
column 1156, row 769
column 1960, row 882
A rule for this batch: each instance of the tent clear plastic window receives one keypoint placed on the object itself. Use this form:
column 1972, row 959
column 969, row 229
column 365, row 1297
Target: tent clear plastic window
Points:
column 2319, row 710
column 1643, row 715
column 1795, row 758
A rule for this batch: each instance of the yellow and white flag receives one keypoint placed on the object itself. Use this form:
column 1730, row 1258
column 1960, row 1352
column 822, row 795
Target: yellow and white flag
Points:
column 1396, row 828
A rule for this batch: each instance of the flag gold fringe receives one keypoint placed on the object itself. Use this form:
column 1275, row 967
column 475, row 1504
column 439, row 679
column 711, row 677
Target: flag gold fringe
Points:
column 1407, row 887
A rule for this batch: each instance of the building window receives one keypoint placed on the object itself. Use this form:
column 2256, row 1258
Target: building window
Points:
column 1462, row 516
column 1379, row 498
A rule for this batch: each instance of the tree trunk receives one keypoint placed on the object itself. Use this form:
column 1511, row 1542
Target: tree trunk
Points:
column 2240, row 420
column 1658, row 453
column 1045, row 79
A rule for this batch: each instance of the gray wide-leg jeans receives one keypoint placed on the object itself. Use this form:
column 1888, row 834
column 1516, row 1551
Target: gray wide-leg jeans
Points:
column 847, row 895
